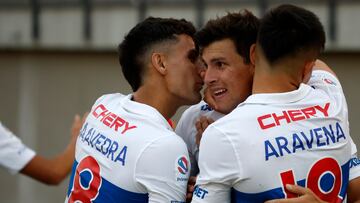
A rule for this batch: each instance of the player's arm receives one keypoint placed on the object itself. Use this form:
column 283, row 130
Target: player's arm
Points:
column 163, row 169
column 321, row 65
column 353, row 190
column 201, row 126
column 305, row 196
column 218, row 173
column 53, row 170
column 183, row 129
column 318, row 65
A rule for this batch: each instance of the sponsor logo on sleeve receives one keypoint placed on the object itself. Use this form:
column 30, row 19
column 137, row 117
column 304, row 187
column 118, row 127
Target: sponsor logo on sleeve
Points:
column 328, row 81
column 182, row 167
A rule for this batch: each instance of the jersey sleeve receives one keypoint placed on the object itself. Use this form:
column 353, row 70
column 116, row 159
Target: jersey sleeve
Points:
column 162, row 170
column 14, row 155
column 328, row 83
column 354, row 163
column 219, row 168
column 187, row 131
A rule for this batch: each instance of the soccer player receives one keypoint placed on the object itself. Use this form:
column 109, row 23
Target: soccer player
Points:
column 217, row 172
column 17, row 157
column 127, row 151
column 225, row 43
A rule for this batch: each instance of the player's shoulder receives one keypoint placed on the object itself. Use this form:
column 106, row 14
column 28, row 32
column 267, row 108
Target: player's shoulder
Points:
column 243, row 111
column 174, row 139
column 196, row 109
column 110, row 97
column 325, row 78
column 189, row 116
column 167, row 143
column 236, row 121
column 200, row 109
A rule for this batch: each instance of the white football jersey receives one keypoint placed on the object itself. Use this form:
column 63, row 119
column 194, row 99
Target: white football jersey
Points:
column 187, row 131
column 127, row 152
column 270, row 140
column 14, row 155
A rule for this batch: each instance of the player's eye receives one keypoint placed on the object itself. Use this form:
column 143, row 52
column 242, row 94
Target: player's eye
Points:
column 219, row 64
column 193, row 56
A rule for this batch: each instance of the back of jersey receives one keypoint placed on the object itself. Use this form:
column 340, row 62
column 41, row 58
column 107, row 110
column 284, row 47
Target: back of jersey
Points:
column 117, row 151
column 299, row 137
column 303, row 139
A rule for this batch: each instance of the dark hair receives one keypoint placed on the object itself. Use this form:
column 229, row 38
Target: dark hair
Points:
column 241, row 28
column 288, row 30
column 145, row 34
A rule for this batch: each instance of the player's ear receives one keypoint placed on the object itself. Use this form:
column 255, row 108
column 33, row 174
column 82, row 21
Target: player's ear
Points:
column 252, row 54
column 158, row 62
column 307, row 71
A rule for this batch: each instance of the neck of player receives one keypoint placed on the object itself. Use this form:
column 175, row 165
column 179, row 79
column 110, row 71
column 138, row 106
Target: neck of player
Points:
column 156, row 98
column 277, row 78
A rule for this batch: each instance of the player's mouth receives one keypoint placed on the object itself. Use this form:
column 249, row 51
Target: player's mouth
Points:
column 219, row 93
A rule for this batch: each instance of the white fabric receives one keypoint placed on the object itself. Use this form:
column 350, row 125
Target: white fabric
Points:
column 14, row 155
column 245, row 152
column 140, row 157
column 187, row 131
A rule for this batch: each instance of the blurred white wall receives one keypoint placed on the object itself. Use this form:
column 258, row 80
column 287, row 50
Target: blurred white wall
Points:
column 63, row 26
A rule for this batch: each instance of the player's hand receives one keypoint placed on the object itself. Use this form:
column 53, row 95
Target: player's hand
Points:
column 77, row 124
column 53, row 170
column 75, row 131
column 190, row 188
column 305, row 195
column 201, row 125
column 209, row 99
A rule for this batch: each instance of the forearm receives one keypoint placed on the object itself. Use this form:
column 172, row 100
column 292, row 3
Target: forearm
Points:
column 53, row 170
column 353, row 191
column 320, row 65
column 50, row 170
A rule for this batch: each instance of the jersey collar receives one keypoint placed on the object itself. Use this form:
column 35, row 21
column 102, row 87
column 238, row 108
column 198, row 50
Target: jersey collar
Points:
column 144, row 110
column 274, row 98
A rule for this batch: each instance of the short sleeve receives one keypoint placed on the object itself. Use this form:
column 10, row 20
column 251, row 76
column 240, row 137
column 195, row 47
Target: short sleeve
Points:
column 162, row 170
column 14, row 155
column 329, row 84
column 187, row 131
column 354, row 163
column 219, row 168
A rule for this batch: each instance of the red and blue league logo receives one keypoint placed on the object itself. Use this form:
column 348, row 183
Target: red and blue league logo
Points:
column 330, row 82
column 183, row 165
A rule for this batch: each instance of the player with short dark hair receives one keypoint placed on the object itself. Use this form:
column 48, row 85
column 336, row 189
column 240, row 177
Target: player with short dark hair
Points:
column 127, row 151
column 224, row 43
column 260, row 144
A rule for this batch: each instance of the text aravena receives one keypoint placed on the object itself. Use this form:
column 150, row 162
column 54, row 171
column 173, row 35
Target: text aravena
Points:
column 320, row 136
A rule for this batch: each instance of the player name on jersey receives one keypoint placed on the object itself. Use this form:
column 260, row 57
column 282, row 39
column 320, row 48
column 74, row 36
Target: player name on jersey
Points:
column 109, row 148
column 317, row 137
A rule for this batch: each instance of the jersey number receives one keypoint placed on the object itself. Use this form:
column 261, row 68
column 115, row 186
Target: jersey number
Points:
column 324, row 179
column 87, row 181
